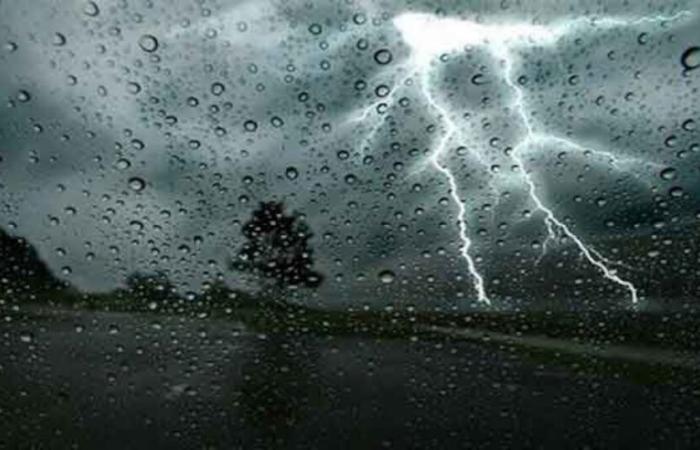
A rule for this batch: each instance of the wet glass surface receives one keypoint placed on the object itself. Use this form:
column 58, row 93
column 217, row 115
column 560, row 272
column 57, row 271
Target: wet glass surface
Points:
column 352, row 223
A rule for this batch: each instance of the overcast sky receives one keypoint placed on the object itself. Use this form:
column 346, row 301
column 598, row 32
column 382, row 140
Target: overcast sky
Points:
column 139, row 135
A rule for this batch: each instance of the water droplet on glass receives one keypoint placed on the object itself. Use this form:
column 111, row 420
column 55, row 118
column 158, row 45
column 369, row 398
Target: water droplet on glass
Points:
column 382, row 90
column 315, row 29
column 136, row 184
column 148, row 43
column 691, row 58
column 689, row 125
column 133, row 87
column 250, row 125
column 217, row 89
column 668, row 173
column 91, row 9
column 383, row 56
column 276, row 122
column 291, row 173
column 23, row 96
column 387, row 276
column 479, row 79
column 58, row 40
column 676, row 191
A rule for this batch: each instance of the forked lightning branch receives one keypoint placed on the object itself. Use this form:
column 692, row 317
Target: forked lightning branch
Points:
column 429, row 37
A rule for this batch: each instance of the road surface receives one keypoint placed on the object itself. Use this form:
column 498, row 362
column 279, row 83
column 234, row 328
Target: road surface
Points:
column 127, row 381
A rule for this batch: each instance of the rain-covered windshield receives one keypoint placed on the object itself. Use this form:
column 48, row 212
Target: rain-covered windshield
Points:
column 372, row 223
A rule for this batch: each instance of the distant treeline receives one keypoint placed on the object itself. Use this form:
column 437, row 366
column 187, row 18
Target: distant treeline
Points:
column 25, row 278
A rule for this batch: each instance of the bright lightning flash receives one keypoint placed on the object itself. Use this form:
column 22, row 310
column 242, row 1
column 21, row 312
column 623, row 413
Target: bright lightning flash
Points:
column 429, row 37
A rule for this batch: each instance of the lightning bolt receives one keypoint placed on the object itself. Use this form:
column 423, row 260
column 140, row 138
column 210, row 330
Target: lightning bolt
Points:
column 428, row 37
column 450, row 129
column 553, row 224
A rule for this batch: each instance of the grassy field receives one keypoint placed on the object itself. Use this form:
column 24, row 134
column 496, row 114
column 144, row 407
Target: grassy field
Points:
column 675, row 331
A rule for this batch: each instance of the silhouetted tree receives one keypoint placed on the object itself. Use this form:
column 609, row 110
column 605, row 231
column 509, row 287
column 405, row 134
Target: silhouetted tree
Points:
column 277, row 248
column 23, row 275
column 149, row 288
column 154, row 286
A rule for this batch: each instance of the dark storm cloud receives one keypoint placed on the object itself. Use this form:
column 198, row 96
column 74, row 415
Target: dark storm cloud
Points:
column 294, row 77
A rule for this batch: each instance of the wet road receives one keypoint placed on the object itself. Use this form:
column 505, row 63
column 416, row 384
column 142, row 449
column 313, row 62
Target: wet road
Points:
column 97, row 380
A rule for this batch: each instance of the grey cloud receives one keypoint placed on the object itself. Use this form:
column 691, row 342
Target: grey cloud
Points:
column 195, row 159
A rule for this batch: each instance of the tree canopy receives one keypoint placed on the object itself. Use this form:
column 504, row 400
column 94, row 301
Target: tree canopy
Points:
column 277, row 248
